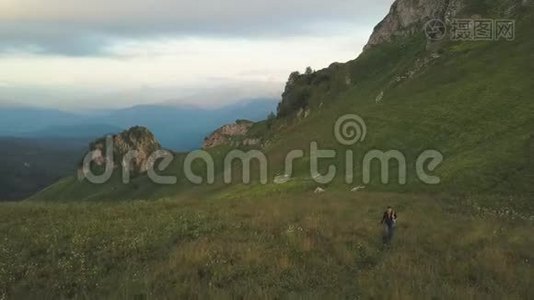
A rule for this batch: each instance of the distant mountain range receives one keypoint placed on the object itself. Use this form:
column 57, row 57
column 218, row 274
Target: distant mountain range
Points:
column 177, row 127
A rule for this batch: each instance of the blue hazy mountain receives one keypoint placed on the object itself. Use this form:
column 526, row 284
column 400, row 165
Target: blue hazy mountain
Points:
column 179, row 128
column 17, row 121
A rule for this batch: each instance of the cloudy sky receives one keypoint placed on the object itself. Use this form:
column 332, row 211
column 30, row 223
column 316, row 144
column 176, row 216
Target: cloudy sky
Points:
column 79, row 54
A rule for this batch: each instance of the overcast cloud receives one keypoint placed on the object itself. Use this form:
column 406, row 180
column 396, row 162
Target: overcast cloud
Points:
column 65, row 45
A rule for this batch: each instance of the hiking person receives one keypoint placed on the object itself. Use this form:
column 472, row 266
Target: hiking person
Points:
column 389, row 219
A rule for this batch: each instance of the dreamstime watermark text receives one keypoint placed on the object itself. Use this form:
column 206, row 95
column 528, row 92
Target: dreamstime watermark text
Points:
column 349, row 130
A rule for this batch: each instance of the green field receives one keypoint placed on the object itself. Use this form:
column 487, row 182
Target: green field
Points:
column 269, row 242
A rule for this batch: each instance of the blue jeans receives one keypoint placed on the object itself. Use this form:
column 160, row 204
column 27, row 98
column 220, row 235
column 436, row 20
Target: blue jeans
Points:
column 388, row 234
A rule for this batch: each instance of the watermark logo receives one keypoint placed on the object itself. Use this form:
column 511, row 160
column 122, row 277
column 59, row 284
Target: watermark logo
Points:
column 435, row 30
column 505, row 29
column 471, row 30
column 349, row 130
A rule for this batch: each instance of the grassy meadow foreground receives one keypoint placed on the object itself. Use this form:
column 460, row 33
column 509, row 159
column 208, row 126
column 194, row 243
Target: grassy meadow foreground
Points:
column 266, row 242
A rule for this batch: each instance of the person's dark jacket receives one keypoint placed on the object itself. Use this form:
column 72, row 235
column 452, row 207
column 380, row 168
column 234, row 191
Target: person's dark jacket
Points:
column 389, row 219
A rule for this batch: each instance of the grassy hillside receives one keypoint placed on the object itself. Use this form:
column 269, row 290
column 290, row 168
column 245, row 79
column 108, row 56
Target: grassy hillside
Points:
column 265, row 242
column 473, row 104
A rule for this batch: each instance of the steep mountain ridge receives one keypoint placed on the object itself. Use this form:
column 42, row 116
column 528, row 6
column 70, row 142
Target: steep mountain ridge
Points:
column 406, row 17
column 417, row 98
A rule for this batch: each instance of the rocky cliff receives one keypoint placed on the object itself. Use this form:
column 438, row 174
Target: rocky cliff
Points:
column 230, row 134
column 407, row 17
column 137, row 138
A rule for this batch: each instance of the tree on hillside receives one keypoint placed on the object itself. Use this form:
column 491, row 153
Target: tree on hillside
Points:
column 293, row 77
column 270, row 119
